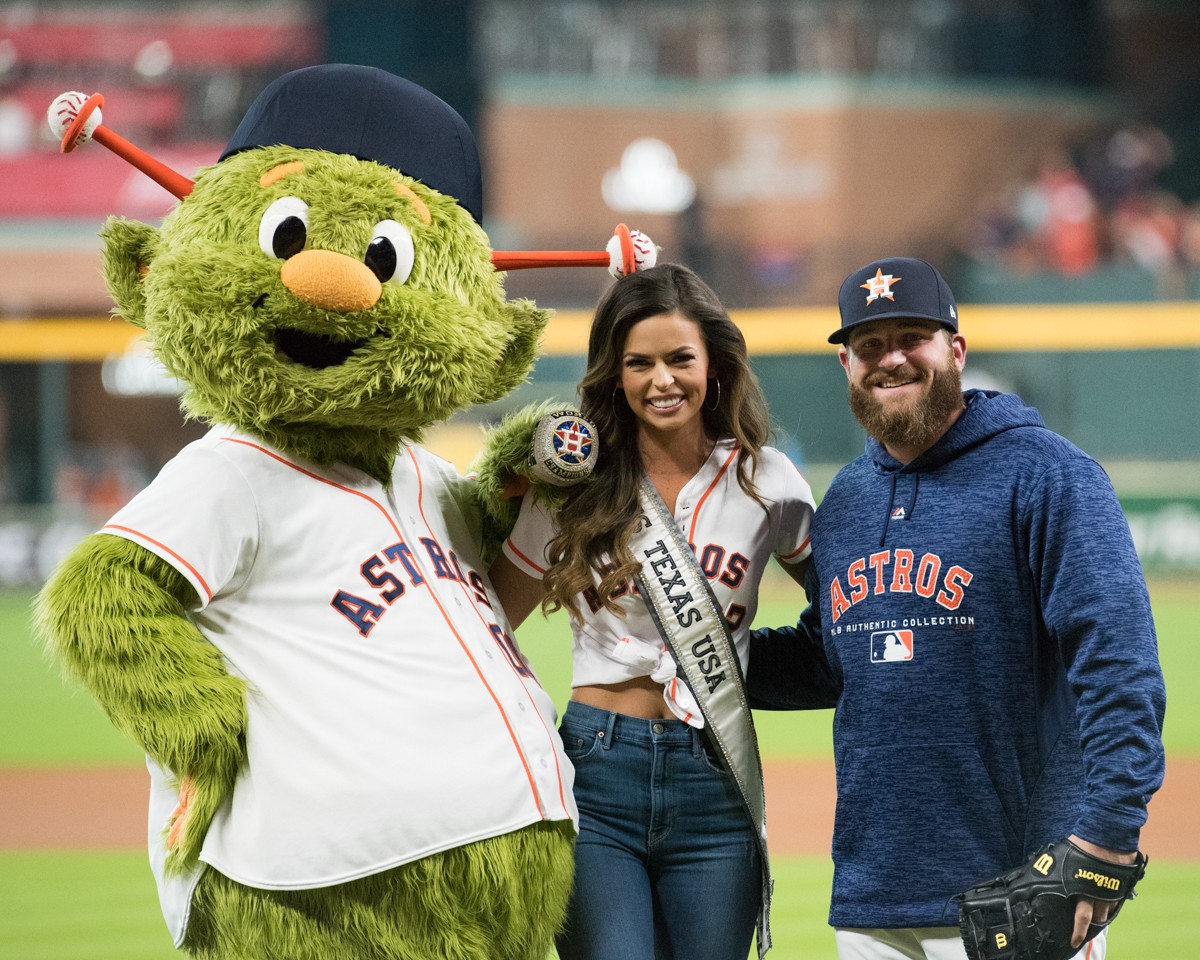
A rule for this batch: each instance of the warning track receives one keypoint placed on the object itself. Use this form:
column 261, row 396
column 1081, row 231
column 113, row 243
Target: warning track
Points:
column 105, row 809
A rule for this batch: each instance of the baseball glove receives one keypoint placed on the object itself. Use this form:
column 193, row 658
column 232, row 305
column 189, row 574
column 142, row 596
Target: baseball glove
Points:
column 1028, row 913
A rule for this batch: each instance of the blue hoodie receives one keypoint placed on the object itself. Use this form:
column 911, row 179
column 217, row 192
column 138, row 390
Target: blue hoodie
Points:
column 985, row 617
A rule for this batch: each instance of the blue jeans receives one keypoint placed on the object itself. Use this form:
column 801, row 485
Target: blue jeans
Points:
column 666, row 864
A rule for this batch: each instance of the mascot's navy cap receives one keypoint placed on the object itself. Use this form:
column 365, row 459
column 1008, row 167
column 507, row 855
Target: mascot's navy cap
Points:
column 370, row 114
column 894, row 287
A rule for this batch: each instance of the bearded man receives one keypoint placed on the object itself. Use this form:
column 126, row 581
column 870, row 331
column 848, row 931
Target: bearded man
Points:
column 979, row 614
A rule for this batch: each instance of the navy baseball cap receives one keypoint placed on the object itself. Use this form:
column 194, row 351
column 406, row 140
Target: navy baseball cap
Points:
column 370, row 114
column 894, row 287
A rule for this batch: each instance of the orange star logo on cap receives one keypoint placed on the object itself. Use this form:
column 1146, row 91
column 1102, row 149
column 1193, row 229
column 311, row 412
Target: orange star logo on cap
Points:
column 880, row 285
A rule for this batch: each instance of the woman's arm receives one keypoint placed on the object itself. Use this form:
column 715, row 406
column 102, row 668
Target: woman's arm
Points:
column 797, row 571
column 519, row 593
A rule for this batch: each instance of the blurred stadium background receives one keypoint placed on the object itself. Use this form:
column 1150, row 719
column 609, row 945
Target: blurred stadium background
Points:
column 1044, row 153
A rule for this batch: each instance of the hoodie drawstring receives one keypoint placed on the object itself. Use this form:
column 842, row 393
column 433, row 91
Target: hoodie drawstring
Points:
column 887, row 514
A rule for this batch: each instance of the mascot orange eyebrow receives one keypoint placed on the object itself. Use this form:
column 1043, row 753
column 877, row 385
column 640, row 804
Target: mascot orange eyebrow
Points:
column 349, row 756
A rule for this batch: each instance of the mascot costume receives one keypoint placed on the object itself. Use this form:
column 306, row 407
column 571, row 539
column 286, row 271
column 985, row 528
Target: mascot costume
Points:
column 349, row 756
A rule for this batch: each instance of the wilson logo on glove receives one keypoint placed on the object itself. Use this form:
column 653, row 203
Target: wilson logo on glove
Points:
column 1028, row 913
column 1108, row 883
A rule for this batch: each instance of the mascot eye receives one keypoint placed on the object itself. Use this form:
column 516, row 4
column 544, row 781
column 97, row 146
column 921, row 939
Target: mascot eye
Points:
column 390, row 253
column 284, row 228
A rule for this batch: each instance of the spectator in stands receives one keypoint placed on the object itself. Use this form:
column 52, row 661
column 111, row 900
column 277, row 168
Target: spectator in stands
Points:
column 1063, row 216
column 1126, row 162
column 1077, row 215
column 1189, row 240
column 995, row 235
column 1146, row 227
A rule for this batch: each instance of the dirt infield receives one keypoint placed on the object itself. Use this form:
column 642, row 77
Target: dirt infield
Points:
column 105, row 809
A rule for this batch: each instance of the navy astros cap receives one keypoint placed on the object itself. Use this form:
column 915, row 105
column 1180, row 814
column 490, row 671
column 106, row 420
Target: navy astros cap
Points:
column 370, row 114
column 894, row 287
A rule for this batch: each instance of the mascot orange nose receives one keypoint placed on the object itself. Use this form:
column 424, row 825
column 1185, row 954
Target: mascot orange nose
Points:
column 331, row 280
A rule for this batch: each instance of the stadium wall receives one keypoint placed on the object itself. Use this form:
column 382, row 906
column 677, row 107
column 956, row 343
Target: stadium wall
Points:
column 1120, row 380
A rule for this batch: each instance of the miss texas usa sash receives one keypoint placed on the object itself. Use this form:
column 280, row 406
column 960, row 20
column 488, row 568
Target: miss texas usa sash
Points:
column 691, row 623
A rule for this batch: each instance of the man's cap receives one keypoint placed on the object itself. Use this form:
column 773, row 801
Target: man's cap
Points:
column 370, row 114
column 894, row 287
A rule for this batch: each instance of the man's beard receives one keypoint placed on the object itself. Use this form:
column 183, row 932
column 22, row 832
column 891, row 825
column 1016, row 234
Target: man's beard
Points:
column 914, row 425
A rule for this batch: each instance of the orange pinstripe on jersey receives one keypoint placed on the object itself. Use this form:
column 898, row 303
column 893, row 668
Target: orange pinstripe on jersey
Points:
column 463, row 587
column 704, row 495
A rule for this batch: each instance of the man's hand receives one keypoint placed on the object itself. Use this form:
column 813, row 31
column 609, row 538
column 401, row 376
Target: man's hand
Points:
column 1047, row 907
column 1087, row 910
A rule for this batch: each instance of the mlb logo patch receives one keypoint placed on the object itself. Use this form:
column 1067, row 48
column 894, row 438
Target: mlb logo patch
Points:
column 890, row 646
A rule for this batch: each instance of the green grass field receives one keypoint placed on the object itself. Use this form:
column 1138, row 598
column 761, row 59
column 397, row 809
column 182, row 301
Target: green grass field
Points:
column 96, row 906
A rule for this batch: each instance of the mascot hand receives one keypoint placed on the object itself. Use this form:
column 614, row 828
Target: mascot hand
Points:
column 514, row 461
column 200, row 796
column 181, row 816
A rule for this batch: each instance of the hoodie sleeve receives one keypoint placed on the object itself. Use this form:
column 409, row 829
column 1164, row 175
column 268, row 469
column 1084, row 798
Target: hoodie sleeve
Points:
column 1096, row 611
column 788, row 666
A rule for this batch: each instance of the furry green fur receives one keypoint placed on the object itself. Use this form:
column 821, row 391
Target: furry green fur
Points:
column 113, row 615
column 497, row 899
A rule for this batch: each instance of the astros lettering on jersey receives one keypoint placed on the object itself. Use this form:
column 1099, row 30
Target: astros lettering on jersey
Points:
column 898, row 571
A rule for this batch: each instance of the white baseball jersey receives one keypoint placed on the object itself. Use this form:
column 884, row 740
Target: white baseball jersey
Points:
column 391, row 715
column 733, row 538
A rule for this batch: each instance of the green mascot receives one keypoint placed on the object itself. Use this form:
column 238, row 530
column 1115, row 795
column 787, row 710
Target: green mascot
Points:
column 349, row 757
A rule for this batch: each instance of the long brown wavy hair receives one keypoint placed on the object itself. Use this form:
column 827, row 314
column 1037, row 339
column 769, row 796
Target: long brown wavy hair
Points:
column 599, row 517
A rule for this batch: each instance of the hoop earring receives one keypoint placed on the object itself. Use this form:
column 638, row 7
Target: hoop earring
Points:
column 616, row 408
column 718, row 402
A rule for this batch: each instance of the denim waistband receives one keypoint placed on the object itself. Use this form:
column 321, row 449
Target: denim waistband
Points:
column 616, row 727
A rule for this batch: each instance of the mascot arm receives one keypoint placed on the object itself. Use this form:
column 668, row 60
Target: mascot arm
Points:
column 504, row 472
column 113, row 613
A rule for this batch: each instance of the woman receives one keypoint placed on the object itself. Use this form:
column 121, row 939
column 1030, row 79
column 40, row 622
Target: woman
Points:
column 667, row 861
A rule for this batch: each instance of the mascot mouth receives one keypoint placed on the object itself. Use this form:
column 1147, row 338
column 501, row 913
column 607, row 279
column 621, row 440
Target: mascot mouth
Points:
column 314, row 350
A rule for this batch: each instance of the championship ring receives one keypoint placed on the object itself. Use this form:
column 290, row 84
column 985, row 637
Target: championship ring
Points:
column 564, row 448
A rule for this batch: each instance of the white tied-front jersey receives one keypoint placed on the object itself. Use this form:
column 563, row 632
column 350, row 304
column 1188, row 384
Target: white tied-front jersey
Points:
column 732, row 536
column 391, row 715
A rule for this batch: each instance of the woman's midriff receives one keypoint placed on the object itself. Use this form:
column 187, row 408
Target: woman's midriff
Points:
column 639, row 697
